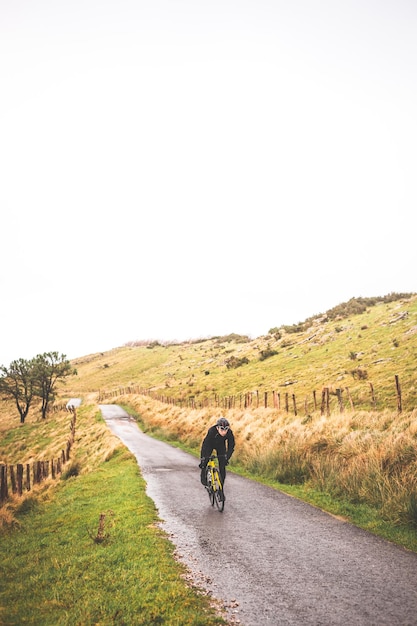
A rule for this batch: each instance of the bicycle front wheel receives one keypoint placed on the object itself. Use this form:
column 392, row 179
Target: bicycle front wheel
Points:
column 218, row 491
column 209, row 487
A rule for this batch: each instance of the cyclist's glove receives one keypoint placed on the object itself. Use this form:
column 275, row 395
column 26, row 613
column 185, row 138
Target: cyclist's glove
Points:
column 203, row 463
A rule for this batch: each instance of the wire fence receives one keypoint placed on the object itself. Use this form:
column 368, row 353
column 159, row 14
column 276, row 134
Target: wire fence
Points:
column 325, row 401
column 21, row 477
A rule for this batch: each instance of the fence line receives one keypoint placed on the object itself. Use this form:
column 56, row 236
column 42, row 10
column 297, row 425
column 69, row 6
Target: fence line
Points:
column 251, row 399
column 23, row 477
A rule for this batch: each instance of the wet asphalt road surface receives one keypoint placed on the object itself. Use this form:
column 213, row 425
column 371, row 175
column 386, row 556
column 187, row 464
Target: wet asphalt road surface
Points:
column 272, row 559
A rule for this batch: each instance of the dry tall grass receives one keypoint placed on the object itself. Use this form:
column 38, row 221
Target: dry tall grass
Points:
column 362, row 457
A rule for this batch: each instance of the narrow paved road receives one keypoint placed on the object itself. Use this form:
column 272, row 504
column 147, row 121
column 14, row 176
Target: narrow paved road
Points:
column 280, row 561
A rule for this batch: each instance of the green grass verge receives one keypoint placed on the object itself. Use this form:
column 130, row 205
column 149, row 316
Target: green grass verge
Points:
column 60, row 566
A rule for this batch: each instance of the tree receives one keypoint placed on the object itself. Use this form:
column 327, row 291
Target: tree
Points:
column 49, row 368
column 23, row 380
column 17, row 381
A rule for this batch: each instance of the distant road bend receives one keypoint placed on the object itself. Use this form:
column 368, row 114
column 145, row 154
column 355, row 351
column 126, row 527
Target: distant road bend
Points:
column 73, row 403
column 272, row 559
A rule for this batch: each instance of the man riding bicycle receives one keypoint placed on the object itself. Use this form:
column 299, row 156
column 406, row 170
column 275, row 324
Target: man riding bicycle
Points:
column 220, row 438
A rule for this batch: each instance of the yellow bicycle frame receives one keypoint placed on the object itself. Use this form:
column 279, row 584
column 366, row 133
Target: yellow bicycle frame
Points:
column 213, row 474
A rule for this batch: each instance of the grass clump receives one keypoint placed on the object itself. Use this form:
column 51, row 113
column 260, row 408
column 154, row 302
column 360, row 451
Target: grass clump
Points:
column 94, row 554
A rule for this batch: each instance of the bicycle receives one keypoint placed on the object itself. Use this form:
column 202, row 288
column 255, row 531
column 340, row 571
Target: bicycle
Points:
column 214, row 483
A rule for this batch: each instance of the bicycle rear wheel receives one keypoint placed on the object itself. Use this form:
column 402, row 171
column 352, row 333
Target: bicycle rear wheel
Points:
column 218, row 491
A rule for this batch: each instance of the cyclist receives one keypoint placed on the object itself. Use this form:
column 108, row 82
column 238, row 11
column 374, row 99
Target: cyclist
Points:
column 220, row 438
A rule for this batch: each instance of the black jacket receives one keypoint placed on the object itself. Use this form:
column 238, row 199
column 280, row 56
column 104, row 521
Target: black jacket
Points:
column 214, row 441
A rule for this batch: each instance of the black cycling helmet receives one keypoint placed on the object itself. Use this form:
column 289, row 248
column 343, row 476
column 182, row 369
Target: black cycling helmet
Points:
column 223, row 423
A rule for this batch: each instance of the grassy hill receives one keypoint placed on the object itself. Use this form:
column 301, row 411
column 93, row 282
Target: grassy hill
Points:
column 356, row 347
column 357, row 460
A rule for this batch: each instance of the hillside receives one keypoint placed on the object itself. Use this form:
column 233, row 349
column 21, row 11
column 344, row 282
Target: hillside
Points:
column 356, row 459
column 358, row 347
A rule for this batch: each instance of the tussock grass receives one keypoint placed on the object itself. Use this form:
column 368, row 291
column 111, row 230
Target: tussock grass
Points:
column 364, row 458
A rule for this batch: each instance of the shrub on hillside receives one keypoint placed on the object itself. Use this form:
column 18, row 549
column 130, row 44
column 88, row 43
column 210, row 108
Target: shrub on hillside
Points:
column 267, row 353
column 359, row 374
column 297, row 328
column 232, row 337
column 355, row 306
column 153, row 344
column 233, row 362
column 275, row 332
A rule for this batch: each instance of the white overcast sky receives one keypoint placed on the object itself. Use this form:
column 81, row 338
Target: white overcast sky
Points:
column 178, row 169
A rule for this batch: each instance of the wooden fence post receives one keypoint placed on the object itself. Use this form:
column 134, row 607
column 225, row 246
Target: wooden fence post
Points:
column 19, row 472
column 294, row 404
column 37, row 472
column 373, row 396
column 13, row 479
column 3, row 483
column 323, row 400
column 350, row 398
column 339, row 398
column 27, row 476
column 399, row 400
